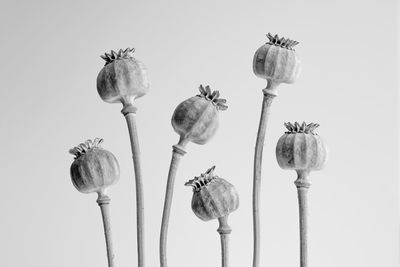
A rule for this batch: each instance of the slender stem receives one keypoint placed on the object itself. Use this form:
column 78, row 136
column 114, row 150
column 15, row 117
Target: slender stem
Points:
column 302, row 183
column 129, row 111
column 224, row 230
column 104, row 203
column 269, row 95
column 177, row 152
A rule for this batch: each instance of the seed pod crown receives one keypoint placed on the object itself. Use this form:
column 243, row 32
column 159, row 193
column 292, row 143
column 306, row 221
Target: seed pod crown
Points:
column 301, row 128
column 112, row 56
column 205, row 179
column 282, row 42
column 213, row 96
column 83, row 148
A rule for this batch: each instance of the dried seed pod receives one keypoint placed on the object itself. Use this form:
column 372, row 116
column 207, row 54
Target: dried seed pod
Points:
column 277, row 61
column 94, row 168
column 213, row 197
column 300, row 148
column 196, row 119
column 123, row 78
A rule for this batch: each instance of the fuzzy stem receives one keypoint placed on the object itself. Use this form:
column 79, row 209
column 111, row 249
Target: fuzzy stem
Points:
column 302, row 183
column 266, row 104
column 177, row 152
column 104, row 201
column 129, row 111
column 224, row 230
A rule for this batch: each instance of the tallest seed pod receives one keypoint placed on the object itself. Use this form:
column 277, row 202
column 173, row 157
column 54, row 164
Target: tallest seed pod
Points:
column 195, row 120
column 122, row 80
column 277, row 62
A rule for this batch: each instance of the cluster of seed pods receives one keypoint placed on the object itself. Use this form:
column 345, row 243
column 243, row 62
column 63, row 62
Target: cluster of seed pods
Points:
column 196, row 120
column 123, row 79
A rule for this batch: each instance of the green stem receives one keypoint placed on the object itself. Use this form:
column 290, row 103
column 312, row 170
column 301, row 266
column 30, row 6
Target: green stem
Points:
column 104, row 201
column 269, row 94
column 224, row 230
column 177, row 152
column 129, row 111
column 302, row 183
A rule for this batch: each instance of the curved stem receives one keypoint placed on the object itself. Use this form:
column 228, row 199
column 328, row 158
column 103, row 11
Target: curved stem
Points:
column 302, row 183
column 224, row 230
column 266, row 104
column 104, row 202
column 129, row 111
column 177, row 152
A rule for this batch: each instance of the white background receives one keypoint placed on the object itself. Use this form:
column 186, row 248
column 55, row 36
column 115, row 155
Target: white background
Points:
column 49, row 103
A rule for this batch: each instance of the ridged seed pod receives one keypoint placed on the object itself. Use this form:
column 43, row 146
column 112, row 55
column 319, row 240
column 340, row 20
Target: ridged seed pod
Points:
column 196, row 119
column 277, row 61
column 300, row 148
column 213, row 197
column 123, row 78
column 94, row 168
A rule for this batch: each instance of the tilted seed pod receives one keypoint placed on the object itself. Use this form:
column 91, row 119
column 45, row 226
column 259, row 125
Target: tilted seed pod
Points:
column 94, row 168
column 300, row 148
column 277, row 61
column 123, row 78
column 196, row 119
column 213, row 197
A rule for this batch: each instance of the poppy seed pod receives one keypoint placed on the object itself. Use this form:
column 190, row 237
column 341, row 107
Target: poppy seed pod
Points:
column 277, row 61
column 94, row 168
column 213, row 197
column 300, row 148
column 196, row 119
column 123, row 78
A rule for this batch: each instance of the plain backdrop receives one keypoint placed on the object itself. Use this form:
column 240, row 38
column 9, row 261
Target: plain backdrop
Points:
column 48, row 103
